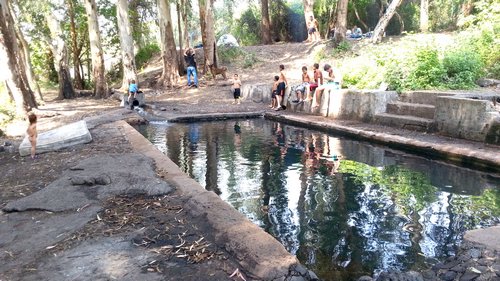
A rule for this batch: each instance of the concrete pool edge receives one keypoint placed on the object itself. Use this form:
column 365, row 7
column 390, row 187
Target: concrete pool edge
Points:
column 457, row 155
column 259, row 254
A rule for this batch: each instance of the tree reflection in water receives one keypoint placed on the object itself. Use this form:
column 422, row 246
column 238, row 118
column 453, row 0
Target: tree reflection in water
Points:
column 345, row 208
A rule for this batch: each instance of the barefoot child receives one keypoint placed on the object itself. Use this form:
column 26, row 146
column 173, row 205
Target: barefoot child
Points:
column 132, row 92
column 280, row 92
column 236, row 89
column 32, row 133
column 275, row 89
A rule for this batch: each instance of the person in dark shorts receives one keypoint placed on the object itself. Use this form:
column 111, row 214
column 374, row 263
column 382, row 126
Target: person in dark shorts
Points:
column 236, row 89
column 280, row 91
column 274, row 91
column 312, row 29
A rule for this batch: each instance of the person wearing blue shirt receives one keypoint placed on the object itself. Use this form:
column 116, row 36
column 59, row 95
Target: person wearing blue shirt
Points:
column 132, row 92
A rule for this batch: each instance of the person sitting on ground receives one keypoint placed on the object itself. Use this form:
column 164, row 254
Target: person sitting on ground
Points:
column 132, row 93
column 332, row 83
column 191, row 67
column 302, row 90
column 274, row 92
column 318, row 79
column 356, row 32
column 280, row 91
column 32, row 133
column 236, row 89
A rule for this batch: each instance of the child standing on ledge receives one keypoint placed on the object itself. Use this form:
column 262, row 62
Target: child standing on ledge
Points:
column 236, row 89
column 132, row 92
column 32, row 133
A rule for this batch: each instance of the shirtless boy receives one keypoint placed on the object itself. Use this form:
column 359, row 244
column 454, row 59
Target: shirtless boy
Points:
column 236, row 89
column 280, row 91
column 32, row 133
column 302, row 90
column 332, row 83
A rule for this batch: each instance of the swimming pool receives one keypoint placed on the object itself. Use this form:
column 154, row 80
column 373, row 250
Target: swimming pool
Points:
column 346, row 208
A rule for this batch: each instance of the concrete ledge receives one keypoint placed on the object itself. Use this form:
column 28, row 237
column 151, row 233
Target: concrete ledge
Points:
column 449, row 152
column 259, row 254
column 490, row 237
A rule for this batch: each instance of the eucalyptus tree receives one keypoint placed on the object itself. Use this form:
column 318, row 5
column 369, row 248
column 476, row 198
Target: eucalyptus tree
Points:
column 12, row 68
column 75, row 47
column 341, row 21
column 170, row 74
column 25, row 58
column 98, row 70
column 126, row 43
column 181, row 38
column 59, row 50
column 424, row 15
column 208, row 32
column 265, row 23
column 185, row 6
column 384, row 21
column 308, row 12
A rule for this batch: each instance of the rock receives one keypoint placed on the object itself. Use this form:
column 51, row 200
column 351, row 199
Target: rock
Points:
column 163, row 109
column 469, row 276
column 459, row 268
column 414, row 276
column 2, row 149
column 62, row 137
column 429, row 274
column 7, row 143
column 313, row 276
column 480, row 269
column 474, row 253
column 227, row 40
column 450, row 264
column 464, row 258
column 103, row 180
column 448, row 276
column 365, row 278
column 487, row 82
column 2, row 133
column 489, row 254
column 486, row 276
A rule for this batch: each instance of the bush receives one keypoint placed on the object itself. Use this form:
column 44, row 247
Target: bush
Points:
column 463, row 68
column 247, row 28
column 146, row 53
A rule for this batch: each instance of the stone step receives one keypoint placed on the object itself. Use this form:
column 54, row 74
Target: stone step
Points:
column 405, row 122
column 422, row 97
column 412, row 109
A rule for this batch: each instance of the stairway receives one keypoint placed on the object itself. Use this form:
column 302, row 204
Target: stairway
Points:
column 413, row 111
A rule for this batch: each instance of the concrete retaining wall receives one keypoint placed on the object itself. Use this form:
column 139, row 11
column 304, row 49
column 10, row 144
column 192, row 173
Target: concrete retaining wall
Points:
column 467, row 118
column 349, row 104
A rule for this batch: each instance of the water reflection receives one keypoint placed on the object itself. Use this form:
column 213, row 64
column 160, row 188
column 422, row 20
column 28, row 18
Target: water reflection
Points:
column 344, row 207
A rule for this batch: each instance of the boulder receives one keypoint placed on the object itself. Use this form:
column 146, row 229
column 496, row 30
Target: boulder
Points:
column 65, row 136
column 227, row 40
column 486, row 82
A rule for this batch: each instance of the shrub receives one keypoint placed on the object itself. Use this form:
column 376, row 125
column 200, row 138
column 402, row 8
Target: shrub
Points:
column 146, row 53
column 463, row 68
column 425, row 71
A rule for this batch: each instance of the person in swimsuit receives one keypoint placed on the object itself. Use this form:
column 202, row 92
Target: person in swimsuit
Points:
column 312, row 29
column 332, row 83
column 274, row 92
column 302, row 90
column 236, row 89
column 32, row 133
column 280, row 91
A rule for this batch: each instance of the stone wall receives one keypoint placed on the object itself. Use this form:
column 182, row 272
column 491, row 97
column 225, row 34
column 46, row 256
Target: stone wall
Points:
column 467, row 118
column 349, row 104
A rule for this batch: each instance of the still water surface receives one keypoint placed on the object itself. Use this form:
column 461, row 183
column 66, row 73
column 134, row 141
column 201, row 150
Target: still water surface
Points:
column 345, row 208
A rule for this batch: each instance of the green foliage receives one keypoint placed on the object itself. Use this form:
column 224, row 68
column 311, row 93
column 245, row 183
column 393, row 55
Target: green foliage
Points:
column 247, row 28
column 463, row 68
column 280, row 14
column 146, row 53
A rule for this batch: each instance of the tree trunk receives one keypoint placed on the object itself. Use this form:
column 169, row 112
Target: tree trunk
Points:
column 360, row 20
column 384, row 21
column 331, row 22
column 341, row 22
column 13, row 71
column 424, row 15
column 208, row 33
column 308, row 13
column 98, row 70
column 60, row 53
column 170, row 75
column 179, row 27
column 78, row 82
column 25, row 59
column 265, row 24
column 184, row 10
column 126, row 43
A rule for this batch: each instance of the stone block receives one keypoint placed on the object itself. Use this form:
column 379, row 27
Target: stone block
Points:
column 465, row 118
column 62, row 137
